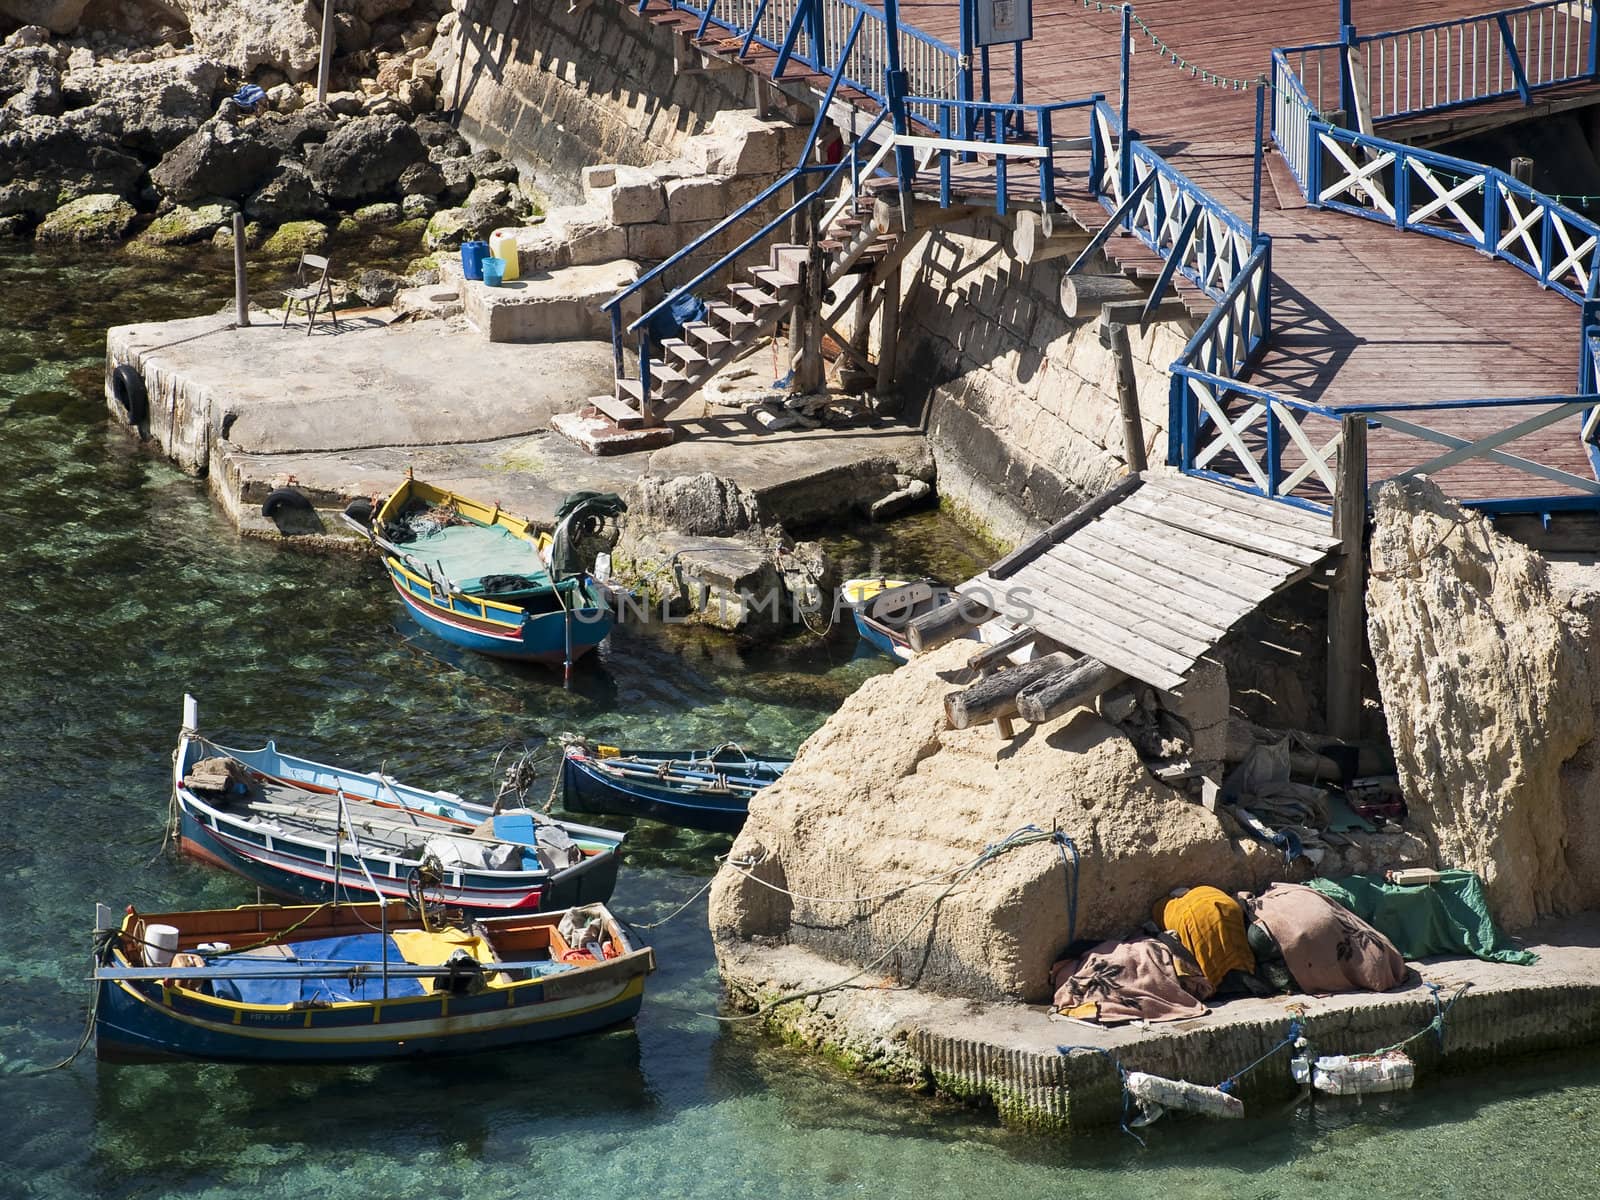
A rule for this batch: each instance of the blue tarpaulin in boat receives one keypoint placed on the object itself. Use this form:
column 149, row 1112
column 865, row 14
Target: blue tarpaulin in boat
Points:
column 340, row 954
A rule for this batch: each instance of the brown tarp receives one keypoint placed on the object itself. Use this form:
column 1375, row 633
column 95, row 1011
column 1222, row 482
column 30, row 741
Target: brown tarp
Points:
column 1326, row 947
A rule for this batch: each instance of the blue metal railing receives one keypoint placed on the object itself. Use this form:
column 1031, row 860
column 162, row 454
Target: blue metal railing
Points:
column 1003, row 130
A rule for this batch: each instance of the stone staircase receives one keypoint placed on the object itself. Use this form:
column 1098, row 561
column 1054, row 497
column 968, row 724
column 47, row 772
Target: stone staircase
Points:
column 859, row 239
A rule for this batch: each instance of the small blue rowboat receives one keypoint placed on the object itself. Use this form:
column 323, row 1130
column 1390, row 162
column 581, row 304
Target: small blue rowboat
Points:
column 275, row 819
column 354, row 983
column 884, row 607
column 697, row 789
column 476, row 576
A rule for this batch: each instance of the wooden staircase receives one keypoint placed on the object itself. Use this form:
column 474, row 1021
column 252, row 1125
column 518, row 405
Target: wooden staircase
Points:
column 858, row 240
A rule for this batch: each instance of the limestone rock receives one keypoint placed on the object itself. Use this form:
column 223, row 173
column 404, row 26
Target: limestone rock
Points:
column 421, row 179
column 30, row 80
column 440, row 137
column 146, row 107
column 883, row 796
column 99, row 218
column 58, row 16
column 488, row 165
column 288, row 196
column 738, row 142
column 383, row 213
column 184, row 225
column 1487, row 680
column 218, row 159
column 377, row 286
column 456, row 176
column 418, row 208
column 246, row 34
column 364, row 158
column 704, row 505
column 48, row 161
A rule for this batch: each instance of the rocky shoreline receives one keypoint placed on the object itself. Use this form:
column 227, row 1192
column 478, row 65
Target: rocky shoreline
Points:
column 119, row 124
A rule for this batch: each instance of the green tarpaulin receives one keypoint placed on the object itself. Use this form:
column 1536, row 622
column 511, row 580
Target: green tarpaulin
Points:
column 1448, row 917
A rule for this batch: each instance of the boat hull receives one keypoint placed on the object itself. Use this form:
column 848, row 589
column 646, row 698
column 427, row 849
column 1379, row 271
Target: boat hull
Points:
column 139, row 1022
column 539, row 637
column 882, row 640
column 585, row 790
column 292, row 876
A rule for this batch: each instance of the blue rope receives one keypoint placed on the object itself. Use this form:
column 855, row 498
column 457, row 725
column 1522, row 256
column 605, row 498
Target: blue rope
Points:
column 1122, row 1082
column 1227, row 1085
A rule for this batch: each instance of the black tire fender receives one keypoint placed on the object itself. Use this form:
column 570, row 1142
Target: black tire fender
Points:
column 282, row 498
column 360, row 509
column 127, row 389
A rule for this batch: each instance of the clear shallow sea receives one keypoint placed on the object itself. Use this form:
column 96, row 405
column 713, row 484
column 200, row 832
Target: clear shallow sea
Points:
column 124, row 588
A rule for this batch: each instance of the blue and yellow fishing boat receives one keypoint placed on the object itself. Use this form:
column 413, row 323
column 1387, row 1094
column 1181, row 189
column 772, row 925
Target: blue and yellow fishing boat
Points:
column 488, row 580
column 310, row 831
column 354, row 983
column 884, row 607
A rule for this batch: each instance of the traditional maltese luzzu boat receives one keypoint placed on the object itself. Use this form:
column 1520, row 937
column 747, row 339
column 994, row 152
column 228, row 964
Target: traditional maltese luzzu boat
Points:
column 354, row 983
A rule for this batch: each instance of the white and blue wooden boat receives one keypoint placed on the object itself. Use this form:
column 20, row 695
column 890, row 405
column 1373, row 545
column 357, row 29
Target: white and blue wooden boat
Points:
column 354, row 983
column 477, row 577
column 271, row 818
column 884, row 607
column 697, row 789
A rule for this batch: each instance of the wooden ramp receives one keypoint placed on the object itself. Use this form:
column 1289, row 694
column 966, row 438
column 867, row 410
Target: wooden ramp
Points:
column 1152, row 575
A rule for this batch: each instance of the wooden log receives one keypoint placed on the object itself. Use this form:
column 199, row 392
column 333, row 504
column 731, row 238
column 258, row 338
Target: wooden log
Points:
column 1082, row 295
column 1030, row 243
column 995, row 655
column 1062, row 691
column 1347, row 593
column 947, row 622
column 995, row 696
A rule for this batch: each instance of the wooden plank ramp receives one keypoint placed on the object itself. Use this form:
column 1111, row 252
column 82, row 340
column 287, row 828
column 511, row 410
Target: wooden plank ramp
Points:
column 1153, row 581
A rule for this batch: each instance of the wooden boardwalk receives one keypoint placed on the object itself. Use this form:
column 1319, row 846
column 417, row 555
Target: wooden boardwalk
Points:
column 1365, row 313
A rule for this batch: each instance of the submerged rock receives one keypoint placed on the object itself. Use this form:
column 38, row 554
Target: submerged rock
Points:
column 883, row 796
column 98, row 218
column 184, row 225
column 296, row 238
column 1488, row 675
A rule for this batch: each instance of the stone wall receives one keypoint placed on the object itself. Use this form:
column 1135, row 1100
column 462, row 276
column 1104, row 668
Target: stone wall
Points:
column 558, row 87
column 1019, row 402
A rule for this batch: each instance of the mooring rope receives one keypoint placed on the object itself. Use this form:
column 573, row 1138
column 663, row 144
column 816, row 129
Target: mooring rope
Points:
column 1122, row 1082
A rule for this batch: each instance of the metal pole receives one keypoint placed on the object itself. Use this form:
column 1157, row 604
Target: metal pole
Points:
column 325, row 60
column 241, row 288
column 1255, row 183
column 1127, row 54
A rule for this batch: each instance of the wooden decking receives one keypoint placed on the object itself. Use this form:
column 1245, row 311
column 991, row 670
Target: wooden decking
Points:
column 1154, row 582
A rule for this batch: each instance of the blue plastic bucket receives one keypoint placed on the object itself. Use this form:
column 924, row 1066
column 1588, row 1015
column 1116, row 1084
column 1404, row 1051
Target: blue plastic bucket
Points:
column 494, row 271
column 472, row 256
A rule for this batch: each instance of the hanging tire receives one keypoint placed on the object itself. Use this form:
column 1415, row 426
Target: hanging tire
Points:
column 127, row 389
column 283, row 498
column 360, row 509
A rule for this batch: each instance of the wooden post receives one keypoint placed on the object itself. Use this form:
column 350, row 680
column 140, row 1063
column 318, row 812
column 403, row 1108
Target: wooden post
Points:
column 241, row 287
column 325, row 59
column 1082, row 295
column 1522, row 170
column 1114, row 335
column 1347, row 592
column 1034, row 241
column 888, row 330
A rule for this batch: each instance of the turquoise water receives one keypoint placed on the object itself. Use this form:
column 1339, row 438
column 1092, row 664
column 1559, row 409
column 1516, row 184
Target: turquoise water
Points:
column 125, row 588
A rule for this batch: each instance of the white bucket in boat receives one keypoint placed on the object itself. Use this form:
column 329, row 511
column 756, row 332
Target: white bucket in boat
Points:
column 160, row 944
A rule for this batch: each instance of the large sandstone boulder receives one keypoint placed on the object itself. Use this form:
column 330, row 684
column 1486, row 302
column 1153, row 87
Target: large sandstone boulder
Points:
column 58, row 16
column 364, row 158
column 1488, row 677
column 218, row 159
column 884, row 796
column 246, row 34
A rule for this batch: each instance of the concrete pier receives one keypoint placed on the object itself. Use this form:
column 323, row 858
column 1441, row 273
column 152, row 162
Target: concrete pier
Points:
column 1008, row 1056
column 342, row 413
